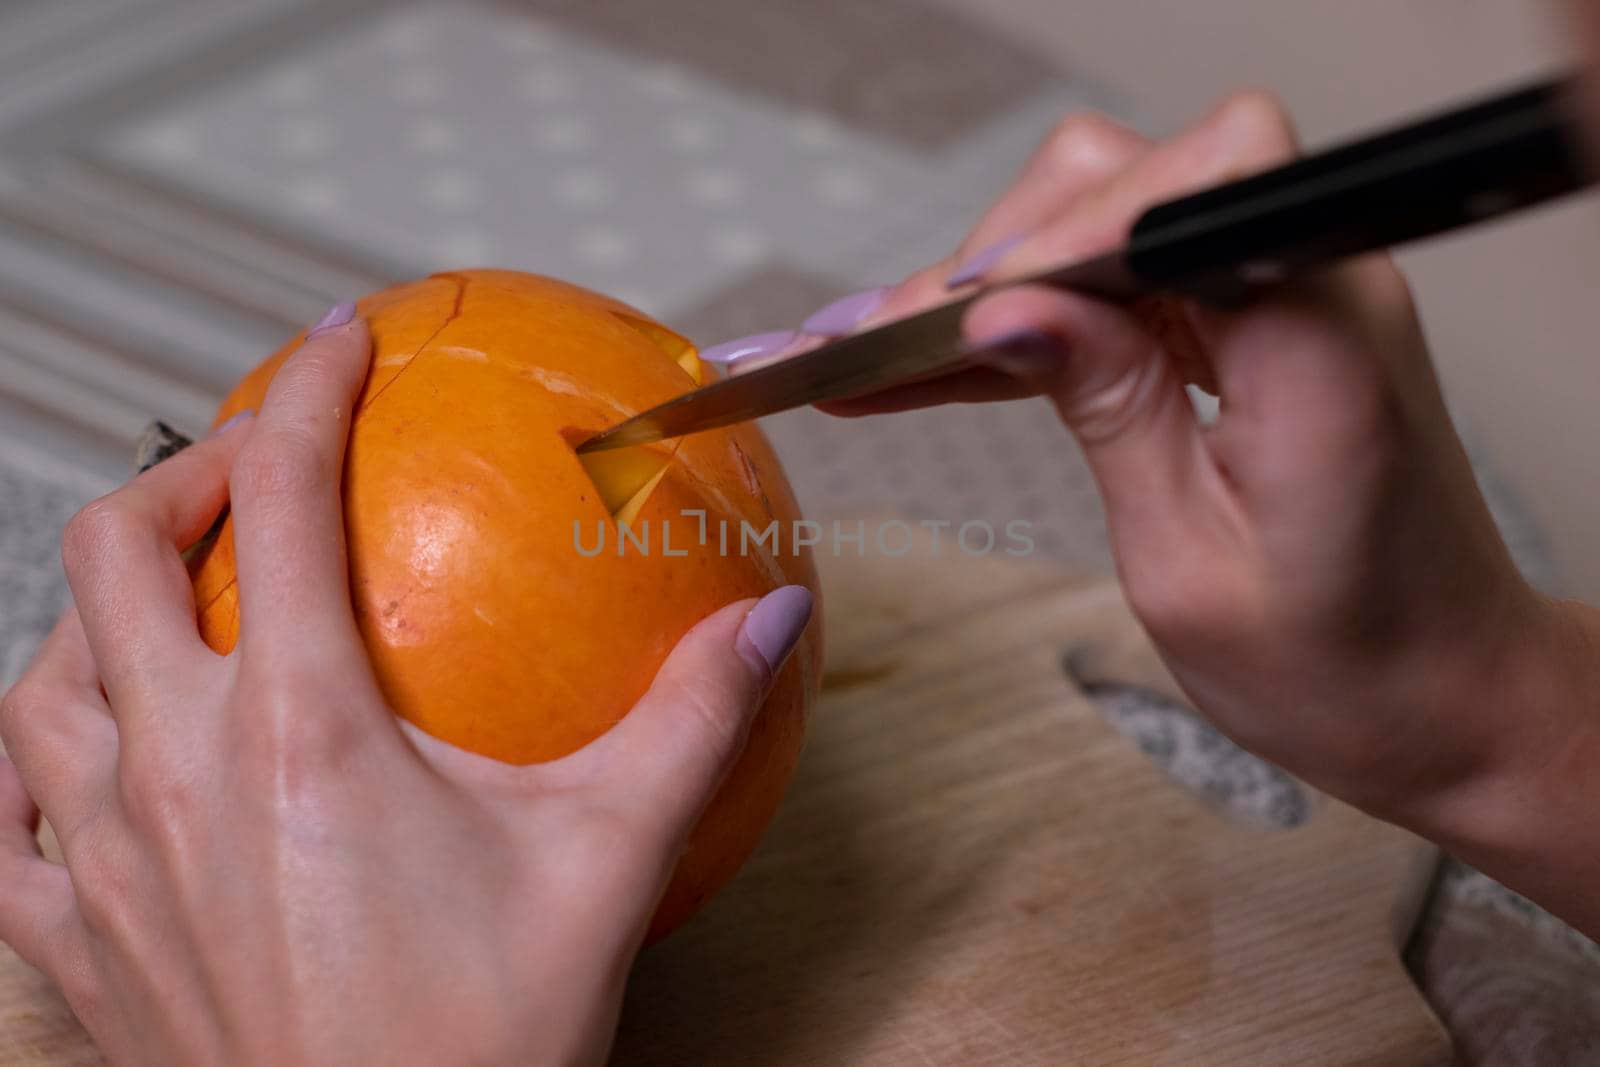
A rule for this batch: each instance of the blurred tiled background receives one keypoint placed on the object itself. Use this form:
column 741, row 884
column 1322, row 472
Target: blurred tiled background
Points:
column 184, row 183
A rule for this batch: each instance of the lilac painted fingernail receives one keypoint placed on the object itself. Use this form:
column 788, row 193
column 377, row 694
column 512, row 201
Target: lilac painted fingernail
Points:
column 978, row 264
column 757, row 344
column 846, row 313
column 338, row 315
column 774, row 624
column 1025, row 353
column 231, row 421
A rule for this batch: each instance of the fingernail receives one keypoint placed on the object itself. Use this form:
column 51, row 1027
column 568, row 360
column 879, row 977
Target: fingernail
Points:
column 338, row 315
column 846, row 313
column 774, row 624
column 757, row 344
column 978, row 264
column 231, row 421
column 1024, row 353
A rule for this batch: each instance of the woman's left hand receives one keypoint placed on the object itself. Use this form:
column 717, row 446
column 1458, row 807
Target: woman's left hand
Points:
column 263, row 864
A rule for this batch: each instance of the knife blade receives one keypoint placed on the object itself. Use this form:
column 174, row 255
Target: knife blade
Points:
column 1478, row 162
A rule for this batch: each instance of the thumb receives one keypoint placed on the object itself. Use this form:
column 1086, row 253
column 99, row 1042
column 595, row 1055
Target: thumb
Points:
column 666, row 758
column 1113, row 382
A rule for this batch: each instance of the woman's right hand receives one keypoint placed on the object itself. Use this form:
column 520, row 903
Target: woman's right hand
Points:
column 1317, row 566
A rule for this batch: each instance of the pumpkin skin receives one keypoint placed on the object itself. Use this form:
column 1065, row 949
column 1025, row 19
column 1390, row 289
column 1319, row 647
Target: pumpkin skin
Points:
column 486, row 626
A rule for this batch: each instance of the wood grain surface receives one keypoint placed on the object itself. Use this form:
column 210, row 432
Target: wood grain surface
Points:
column 974, row 868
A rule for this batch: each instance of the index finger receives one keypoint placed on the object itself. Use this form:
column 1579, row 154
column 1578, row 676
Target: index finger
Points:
column 288, row 511
column 122, row 562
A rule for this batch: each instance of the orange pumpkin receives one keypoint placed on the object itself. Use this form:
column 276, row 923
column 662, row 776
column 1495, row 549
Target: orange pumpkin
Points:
column 471, row 523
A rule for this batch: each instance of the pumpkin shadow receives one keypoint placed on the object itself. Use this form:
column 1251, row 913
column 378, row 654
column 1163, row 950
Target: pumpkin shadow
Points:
column 803, row 958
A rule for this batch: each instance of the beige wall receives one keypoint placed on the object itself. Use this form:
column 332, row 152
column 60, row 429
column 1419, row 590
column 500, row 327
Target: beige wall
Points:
column 1510, row 310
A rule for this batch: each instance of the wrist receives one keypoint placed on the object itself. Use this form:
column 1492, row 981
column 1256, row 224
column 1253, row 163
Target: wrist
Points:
column 1445, row 701
column 1517, row 737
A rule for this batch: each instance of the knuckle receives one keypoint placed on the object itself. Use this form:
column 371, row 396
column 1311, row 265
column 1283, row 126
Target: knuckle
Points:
column 98, row 529
column 319, row 378
column 158, row 797
column 21, row 704
column 1104, row 408
column 313, row 371
column 105, row 901
column 1259, row 113
column 320, row 361
column 103, row 884
column 1082, row 141
column 279, row 464
column 32, row 711
column 718, row 721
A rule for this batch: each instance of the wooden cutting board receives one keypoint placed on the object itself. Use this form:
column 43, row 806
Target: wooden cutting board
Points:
column 974, row 868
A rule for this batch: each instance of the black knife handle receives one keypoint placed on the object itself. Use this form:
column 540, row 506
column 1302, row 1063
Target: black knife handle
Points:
column 1453, row 170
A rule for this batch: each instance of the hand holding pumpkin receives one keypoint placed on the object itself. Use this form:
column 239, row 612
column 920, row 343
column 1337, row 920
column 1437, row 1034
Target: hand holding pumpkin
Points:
column 263, row 863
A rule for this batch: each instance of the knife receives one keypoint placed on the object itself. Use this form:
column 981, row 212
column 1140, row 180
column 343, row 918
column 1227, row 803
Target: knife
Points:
column 1480, row 162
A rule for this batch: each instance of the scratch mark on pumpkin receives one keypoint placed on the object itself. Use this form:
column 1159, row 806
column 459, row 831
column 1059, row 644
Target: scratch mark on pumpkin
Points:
column 455, row 313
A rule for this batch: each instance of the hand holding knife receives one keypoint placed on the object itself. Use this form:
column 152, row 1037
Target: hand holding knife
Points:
column 1469, row 165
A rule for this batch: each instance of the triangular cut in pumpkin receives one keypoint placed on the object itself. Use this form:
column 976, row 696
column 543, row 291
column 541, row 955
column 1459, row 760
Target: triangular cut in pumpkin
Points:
column 624, row 477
